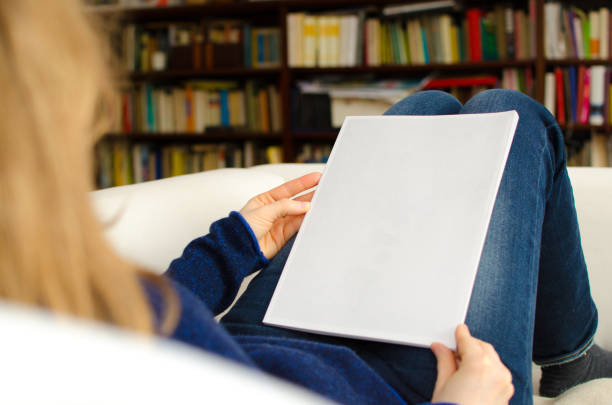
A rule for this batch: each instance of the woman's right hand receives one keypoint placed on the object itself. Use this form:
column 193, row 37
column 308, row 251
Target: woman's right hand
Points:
column 475, row 375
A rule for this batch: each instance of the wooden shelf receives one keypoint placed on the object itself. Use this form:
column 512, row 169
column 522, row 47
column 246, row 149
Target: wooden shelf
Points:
column 193, row 137
column 315, row 135
column 233, row 9
column 199, row 73
column 476, row 66
column 576, row 61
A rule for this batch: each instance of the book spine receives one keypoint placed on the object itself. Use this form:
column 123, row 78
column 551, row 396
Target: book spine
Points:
column 473, row 17
column 560, row 96
column 597, row 94
column 586, row 97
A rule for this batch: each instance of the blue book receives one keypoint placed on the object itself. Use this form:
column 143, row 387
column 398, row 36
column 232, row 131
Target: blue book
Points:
column 424, row 39
column 158, row 164
column 573, row 93
column 223, row 100
column 261, row 55
column 246, row 42
column 150, row 108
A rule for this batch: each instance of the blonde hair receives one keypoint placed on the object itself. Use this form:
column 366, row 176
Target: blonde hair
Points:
column 56, row 98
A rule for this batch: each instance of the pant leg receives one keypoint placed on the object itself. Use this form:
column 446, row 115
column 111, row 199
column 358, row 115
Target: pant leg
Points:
column 533, row 235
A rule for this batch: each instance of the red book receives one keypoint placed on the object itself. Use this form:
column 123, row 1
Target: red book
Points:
column 474, row 15
column 461, row 82
column 126, row 110
column 580, row 93
column 560, row 96
column 586, row 97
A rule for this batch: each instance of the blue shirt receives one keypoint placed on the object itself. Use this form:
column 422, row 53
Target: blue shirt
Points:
column 206, row 279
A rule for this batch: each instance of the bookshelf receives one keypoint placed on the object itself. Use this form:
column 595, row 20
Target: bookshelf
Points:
column 284, row 76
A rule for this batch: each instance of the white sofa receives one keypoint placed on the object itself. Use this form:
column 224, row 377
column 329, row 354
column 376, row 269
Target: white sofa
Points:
column 150, row 223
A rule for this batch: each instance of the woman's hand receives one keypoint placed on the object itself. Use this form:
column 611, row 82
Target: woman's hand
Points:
column 475, row 375
column 274, row 217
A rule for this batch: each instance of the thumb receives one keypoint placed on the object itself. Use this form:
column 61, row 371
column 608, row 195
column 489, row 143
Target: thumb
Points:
column 446, row 364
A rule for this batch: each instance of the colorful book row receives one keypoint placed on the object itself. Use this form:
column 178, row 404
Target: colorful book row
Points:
column 579, row 95
column 219, row 44
column 354, row 39
column 121, row 163
column 200, row 106
column 575, row 33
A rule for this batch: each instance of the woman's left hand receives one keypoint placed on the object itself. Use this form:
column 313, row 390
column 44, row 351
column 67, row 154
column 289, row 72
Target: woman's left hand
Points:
column 275, row 217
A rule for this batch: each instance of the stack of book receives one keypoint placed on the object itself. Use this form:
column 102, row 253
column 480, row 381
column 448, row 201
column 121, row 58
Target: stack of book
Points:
column 199, row 106
column 579, row 95
column 353, row 39
column 575, row 33
column 122, row 163
column 219, row 44
column 321, row 105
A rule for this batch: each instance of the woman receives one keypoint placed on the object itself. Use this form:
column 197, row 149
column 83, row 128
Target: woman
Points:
column 56, row 87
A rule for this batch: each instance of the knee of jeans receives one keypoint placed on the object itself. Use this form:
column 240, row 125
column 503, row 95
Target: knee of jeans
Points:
column 428, row 102
column 496, row 100
column 535, row 120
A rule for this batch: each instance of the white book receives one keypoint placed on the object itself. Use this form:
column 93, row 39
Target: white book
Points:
column 597, row 95
column 390, row 248
column 552, row 13
column 604, row 33
column 353, row 42
column 345, row 37
column 292, row 40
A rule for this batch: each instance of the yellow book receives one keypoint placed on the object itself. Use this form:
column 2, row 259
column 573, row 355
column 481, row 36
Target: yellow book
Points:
column 383, row 44
column 333, row 38
column 274, row 154
column 122, row 169
column 177, row 161
column 309, row 45
column 454, row 42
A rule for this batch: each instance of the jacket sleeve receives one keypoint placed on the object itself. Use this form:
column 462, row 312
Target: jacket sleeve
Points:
column 213, row 266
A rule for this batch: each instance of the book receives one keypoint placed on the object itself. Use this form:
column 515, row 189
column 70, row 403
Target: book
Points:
column 414, row 209
column 596, row 115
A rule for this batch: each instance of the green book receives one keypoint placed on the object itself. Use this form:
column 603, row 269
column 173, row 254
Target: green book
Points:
column 489, row 40
column 586, row 37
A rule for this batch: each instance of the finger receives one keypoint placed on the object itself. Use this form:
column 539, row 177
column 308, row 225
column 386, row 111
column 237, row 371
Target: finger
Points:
column 446, row 364
column 305, row 197
column 282, row 208
column 466, row 344
column 292, row 225
column 291, row 188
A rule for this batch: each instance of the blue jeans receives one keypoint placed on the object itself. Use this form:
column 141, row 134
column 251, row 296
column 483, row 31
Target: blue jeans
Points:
column 531, row 297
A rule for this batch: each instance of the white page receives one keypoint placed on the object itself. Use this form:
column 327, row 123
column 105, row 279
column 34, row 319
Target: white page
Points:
column 390, row 248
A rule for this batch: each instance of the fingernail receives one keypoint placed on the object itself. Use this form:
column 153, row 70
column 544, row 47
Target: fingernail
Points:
column 306, row 205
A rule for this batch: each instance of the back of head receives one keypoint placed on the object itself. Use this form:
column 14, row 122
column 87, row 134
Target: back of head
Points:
column 56, row 95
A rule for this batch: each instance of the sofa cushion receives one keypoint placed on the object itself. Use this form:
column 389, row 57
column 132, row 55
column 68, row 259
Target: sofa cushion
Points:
column 150, row 223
